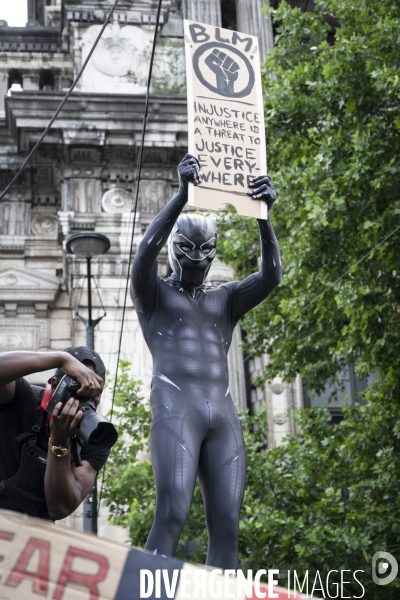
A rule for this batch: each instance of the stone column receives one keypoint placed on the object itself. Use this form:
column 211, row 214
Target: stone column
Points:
column 31, row 9
column 15, row 219
column 3, row 94
column 204, row 11
column 30, row 81
column 62, row 81
column 251, row 20
column 36, row 10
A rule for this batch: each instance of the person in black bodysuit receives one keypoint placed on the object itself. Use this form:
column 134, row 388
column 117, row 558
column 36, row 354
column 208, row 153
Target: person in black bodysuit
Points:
column 188, row 327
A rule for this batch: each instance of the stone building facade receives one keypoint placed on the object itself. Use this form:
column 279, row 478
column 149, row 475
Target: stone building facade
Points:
column 83, row 176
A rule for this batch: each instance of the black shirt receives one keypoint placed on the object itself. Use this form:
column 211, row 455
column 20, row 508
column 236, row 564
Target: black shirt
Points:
column 18, row 416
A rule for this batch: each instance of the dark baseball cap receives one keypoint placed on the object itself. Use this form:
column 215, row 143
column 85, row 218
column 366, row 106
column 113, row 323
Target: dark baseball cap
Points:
column 82, row 353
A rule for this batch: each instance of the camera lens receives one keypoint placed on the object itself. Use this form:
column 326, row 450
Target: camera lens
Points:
column 100, row 433
column 96, row 429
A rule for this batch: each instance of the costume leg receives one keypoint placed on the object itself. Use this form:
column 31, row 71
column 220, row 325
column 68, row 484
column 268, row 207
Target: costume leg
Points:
column 222, row 475
column 175, row 447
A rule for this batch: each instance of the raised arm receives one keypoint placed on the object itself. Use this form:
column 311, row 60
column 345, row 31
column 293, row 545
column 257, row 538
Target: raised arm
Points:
column 256, row 287
column 144, row 267
column 14, row 365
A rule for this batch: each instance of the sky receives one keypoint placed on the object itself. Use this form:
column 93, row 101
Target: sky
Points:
column 14, row 12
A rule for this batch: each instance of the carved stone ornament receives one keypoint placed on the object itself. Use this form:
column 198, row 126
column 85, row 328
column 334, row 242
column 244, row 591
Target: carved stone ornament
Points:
column 280, row 418
column 24, row 334
column 10, row 279
column 120, row 59
column 27, row 286
column 277, row 388
column 45, row 225
column 117, row 200
column 119, row 155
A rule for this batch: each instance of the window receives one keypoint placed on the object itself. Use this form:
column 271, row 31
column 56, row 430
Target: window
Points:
column 228, row 14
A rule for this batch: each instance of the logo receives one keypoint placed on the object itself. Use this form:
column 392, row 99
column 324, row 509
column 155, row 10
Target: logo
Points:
column 382, row 562
column 224, row 70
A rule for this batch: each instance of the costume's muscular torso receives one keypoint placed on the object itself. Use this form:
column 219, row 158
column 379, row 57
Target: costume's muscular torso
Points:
column 189, row 336
column 195, row 429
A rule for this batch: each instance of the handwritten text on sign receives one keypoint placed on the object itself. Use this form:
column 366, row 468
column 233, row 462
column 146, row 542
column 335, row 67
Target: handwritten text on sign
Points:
column 225, row 114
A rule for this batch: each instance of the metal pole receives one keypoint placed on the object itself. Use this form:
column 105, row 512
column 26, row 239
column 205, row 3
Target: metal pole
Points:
column 90, row 502
column 89, row 326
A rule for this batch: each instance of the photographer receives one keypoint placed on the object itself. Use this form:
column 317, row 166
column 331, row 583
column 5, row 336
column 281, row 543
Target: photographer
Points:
column 36, row 473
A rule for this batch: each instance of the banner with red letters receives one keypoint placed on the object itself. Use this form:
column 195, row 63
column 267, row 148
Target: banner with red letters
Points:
column 39, row 560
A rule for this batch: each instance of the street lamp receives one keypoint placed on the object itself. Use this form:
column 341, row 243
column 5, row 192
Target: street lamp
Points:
column 89, row 245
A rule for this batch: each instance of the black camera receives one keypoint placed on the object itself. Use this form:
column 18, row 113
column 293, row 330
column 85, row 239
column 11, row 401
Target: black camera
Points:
column 94, row 430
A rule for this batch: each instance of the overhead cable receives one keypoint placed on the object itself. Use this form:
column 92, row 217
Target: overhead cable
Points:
column 136, row 197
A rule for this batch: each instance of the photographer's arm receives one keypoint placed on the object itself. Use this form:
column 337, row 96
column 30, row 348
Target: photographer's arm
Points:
column 14, row 365
column 144, row 267
column 66, row 486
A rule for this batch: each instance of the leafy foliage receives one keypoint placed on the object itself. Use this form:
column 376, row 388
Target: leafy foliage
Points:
column 333, row 138
column 327, row 499
column 169, row 78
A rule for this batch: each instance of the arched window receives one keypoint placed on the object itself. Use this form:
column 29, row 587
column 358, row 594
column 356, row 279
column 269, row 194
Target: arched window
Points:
column 14, row 79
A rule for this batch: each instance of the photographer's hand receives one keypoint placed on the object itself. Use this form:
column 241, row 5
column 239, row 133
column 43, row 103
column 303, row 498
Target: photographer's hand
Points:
column 65, row 422
column 65, row 484
column 91, row 383
column 14, row 365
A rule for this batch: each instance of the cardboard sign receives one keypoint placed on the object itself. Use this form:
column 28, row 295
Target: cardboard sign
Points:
column 225, row 116
column 40, row 560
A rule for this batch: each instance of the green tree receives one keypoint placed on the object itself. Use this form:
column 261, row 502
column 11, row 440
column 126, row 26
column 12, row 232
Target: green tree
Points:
column 327, row 499
column 333, row 139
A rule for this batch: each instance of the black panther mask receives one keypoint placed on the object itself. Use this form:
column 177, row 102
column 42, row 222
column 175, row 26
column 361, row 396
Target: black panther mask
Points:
column 192, row 248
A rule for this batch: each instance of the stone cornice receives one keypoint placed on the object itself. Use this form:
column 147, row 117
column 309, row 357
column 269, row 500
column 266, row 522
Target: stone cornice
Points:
column 30, row 61
column 109, row 106
column 93, row 119
column 127, row 12
column 30, row 39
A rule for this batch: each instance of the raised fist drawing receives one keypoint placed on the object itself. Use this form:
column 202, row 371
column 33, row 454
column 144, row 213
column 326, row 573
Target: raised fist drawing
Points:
column 225, row 69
